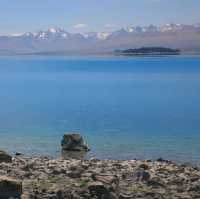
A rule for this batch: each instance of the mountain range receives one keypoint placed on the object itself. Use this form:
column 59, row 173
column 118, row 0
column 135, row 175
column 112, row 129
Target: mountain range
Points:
column 59, row 41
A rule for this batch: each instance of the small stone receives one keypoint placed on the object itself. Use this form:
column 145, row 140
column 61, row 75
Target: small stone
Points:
column 99, row 190
column 144, row 166
column 5, row 157
column 125, row 196
column 195, row 188
column 163, row 160
column 93, row 159
column 18, row 154
column 75, row 174
column 160, row 160
column 155, row 182
column 28, row 166
column 105, row 179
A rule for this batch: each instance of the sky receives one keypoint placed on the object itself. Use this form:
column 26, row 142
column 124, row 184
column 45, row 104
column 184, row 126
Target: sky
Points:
column 18, row 16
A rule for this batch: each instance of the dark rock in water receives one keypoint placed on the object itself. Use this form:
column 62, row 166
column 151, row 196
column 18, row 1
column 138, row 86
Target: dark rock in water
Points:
column 160, row 159
column 74, row 142
column 163, row 160
column 4, row 157
column 18, row 154
column 10, row 188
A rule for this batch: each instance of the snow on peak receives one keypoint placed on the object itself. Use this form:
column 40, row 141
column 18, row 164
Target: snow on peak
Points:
column 53, row 30
column 27, row 34
column 103, row 35
column 16, row 34
column 41, row 34
column 56, row 33
column 130, row 29
column 64, row 35
column 96, row 35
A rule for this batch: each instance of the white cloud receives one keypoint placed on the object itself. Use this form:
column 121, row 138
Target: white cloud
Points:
column 80, row 25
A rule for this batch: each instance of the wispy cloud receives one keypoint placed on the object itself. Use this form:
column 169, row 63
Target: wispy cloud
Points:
column 80, row 25
column 110, row 26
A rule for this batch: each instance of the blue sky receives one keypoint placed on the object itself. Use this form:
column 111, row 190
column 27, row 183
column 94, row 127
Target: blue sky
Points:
column 18, row 16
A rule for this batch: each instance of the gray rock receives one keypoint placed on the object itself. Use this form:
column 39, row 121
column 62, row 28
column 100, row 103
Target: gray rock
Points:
column 74, row 142
column 126, row 196
column 75, row 173
column 5, row 157
column 144, row 166
column 107, row 179
column 195, row 188
column 10, row 188
column 141, row 175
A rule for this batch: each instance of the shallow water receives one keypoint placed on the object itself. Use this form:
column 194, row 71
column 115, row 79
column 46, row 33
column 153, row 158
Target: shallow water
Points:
column 124, row 107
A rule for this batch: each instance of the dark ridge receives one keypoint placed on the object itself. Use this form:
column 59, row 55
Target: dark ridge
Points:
column 149, row 51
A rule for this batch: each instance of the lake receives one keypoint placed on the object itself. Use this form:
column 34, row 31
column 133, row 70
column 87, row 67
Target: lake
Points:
column 125, row 107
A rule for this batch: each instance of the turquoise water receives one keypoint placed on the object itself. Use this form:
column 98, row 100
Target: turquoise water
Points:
column 124, row 107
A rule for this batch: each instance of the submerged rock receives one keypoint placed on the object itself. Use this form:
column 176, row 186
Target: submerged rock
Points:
column 74, row 142
column 10, row 188
column 66, row 154
column 5, row 157
column 18, row 154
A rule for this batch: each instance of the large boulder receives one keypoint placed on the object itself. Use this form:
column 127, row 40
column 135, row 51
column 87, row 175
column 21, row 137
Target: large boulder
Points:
column 4, row 157
column 10, row 188
column 74, row 142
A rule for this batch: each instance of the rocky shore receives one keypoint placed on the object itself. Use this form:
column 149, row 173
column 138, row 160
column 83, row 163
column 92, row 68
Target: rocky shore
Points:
column 48, row 178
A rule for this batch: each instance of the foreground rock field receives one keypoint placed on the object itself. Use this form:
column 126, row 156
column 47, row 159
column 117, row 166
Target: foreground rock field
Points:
column 42, row 178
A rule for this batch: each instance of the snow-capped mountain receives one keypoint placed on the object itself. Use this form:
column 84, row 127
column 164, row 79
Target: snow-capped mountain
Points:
column 56, row 40
column 96, row 35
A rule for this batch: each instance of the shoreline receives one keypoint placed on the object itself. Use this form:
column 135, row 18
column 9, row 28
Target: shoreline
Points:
column 104, row 54
column 73, row 177
column 50, row 178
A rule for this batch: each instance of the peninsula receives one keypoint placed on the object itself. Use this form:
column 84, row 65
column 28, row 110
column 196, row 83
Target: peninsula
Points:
column 149, row 51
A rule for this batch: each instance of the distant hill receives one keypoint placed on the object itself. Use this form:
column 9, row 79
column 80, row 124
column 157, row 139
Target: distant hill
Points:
column 148, row 51
column 58, row 41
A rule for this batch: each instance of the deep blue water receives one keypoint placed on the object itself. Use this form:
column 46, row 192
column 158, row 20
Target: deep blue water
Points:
column 124, row 107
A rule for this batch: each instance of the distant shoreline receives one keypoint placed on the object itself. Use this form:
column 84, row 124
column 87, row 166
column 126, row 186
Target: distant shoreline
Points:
column 70, row 54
